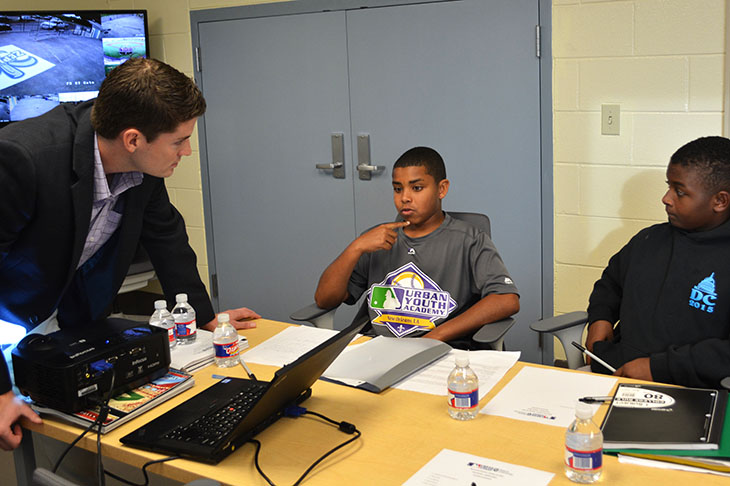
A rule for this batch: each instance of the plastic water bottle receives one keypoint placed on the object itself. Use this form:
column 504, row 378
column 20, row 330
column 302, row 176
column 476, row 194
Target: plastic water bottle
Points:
column 184, row 315
column 463, row 387
column 161, row 317
column 225, row 342
column 583, row 447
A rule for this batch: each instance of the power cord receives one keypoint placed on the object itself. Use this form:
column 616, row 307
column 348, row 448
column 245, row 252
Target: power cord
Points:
column 144, row 472
column 297, row 411
column 99, row 422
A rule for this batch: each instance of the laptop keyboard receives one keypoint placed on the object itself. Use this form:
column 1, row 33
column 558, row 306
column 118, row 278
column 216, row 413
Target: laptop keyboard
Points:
column 216, row 425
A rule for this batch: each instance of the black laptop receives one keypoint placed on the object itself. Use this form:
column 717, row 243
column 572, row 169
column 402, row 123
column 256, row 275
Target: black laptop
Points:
column 221, row 418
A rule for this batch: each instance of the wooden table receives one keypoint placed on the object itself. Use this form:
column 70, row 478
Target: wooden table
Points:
column 401, row 431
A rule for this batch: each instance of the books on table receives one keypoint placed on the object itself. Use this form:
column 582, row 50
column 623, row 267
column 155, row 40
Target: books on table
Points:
column 199, row 354
column 649, row 416
column 128, row 405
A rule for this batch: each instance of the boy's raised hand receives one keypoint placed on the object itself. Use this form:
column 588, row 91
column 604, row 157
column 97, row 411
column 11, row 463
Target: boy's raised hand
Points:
column 379, row 238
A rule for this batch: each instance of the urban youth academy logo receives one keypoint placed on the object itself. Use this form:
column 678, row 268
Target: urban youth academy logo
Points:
column 703, row 295
column 407, row 300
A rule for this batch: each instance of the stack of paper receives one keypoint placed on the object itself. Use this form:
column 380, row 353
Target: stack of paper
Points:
column 199, row 354
column 128, row 405
column 670, row 427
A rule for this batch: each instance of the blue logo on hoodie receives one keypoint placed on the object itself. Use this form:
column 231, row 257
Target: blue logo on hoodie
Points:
column 703, row 295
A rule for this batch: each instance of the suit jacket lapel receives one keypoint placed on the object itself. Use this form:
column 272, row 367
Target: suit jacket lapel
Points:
column 82, row 191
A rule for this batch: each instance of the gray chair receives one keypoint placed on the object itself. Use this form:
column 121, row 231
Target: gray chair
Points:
column 490, row 336
column 44, row 477
column 567, row 328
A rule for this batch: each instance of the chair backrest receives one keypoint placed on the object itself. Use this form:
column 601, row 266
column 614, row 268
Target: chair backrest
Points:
column 479, row 220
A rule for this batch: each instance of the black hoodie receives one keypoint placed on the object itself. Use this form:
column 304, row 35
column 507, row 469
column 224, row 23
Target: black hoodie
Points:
column 670, row 292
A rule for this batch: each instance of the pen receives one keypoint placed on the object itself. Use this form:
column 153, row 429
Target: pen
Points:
column 593, row 356
column 248, row 371
column 595, row 399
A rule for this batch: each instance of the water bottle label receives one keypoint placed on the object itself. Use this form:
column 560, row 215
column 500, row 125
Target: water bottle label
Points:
column 226, row 350
column 185, row 328
column 171, row 334
column 584, row 460
column 464, row 400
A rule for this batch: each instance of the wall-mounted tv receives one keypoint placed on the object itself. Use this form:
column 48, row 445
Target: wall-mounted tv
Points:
column 52, row 57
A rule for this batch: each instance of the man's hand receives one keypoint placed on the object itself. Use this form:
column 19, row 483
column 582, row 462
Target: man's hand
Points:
column 241, row 318
column 12, row 409
column 379, row 238
column 639, row 369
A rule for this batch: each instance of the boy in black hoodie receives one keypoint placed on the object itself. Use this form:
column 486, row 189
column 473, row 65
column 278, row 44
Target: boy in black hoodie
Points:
column 669, row 287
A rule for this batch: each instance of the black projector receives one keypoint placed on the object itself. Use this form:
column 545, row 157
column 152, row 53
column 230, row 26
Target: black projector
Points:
column 71, row 369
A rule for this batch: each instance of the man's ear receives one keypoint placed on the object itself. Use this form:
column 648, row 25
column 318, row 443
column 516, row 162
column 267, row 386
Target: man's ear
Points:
column 443, row 188
column 132, row 139
column 721, row 201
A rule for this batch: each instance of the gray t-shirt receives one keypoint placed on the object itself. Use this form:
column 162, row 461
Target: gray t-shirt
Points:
column 422, row 282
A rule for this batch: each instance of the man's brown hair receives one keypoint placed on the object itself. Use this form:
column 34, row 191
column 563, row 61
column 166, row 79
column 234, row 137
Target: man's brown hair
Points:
column 148, row 95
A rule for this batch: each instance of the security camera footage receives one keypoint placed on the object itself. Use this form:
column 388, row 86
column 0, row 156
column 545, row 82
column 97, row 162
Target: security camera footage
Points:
column 47, row 58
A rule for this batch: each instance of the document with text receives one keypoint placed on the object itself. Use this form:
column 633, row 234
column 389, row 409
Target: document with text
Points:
column 490, row 367
column 547, row 396
column 460, row 469
column 288, row 345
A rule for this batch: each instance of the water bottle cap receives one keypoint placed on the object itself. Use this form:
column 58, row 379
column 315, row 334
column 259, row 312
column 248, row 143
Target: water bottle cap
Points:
column 223, row 317
column 181, row 298
column 583, row 410
column 462, row 361
column 160, row 304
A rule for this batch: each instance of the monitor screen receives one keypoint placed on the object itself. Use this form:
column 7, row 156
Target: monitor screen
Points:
column 47, row 58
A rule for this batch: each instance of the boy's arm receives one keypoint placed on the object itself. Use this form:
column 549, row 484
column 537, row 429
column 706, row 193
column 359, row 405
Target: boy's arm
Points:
column 490, row 308
column 332, row 287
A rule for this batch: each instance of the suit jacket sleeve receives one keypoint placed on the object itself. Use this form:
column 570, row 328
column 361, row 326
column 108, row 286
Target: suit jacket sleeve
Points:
column 166, row 241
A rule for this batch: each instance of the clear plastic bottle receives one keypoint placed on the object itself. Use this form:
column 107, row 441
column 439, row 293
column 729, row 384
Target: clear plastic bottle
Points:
column 225, row 342
column 583, row 447
column 184, row 315
column 161, row 317
column 463, row 387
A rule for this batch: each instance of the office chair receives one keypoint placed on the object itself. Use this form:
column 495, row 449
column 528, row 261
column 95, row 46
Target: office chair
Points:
column 44, row 477
column 567, row 328
column 140, row 272
column 490, row 336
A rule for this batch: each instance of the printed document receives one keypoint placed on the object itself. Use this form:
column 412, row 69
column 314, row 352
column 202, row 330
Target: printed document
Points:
column 461, row 469
column 490, row 367
column 547, row 396
column 287, row 346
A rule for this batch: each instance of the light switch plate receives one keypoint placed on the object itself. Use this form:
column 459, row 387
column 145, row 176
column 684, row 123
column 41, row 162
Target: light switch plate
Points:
column 611, row 119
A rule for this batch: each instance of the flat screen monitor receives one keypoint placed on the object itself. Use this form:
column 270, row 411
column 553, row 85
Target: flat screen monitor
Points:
column 53, row 57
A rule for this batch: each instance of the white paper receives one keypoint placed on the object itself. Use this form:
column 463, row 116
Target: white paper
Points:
column 459, row 469
column 490, row 367
column 288, row 345
column 198, row 354
column 641, row 461
column 547, row 396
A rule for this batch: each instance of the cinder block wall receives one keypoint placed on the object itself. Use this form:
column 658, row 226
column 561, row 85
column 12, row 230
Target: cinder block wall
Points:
column 663, row 62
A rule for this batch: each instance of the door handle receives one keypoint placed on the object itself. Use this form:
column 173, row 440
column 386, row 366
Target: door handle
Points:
column 364, row 168
column 338, row 157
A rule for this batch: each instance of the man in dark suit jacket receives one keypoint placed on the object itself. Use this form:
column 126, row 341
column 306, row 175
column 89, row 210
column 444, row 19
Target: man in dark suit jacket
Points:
column 82, row 187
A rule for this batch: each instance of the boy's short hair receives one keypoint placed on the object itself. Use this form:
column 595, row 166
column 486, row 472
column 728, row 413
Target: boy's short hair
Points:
column 710, row 157
column 423, row 157
column 148, row 95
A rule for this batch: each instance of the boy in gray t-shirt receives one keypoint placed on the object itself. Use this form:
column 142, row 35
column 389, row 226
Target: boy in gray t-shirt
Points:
column 429, row 275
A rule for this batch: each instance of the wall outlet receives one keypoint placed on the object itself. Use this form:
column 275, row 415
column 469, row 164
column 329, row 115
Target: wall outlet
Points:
column 610, row 119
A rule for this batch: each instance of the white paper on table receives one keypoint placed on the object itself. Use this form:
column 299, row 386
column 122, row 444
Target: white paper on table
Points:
column 490, row 367
column 460, row 469
column 641, row 461
column 287, row 346
column 547, row 396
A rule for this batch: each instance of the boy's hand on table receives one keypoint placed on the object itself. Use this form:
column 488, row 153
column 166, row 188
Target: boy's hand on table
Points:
column 639, row 369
